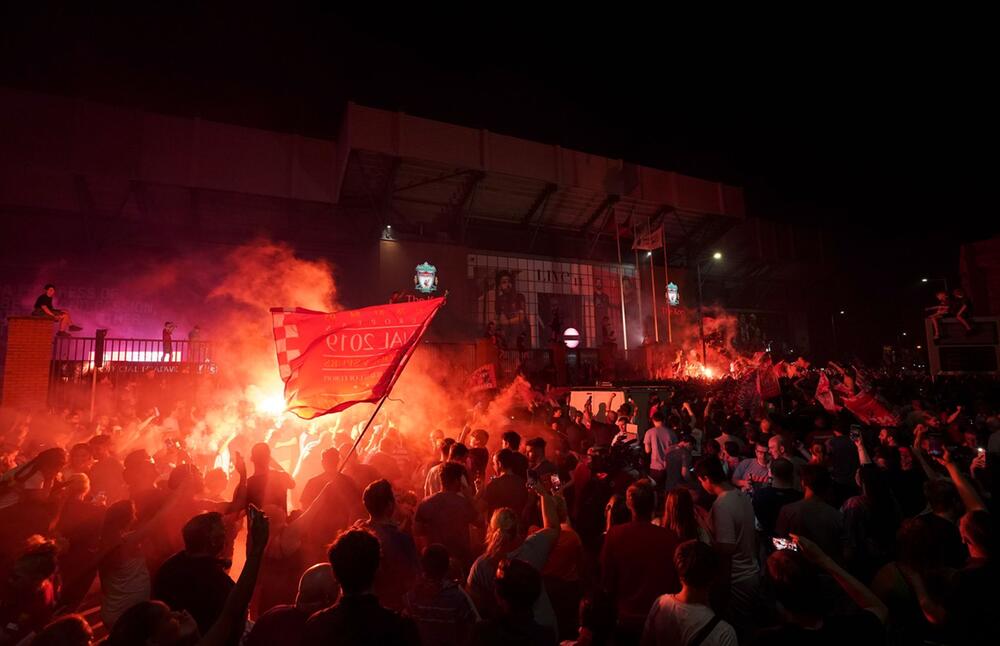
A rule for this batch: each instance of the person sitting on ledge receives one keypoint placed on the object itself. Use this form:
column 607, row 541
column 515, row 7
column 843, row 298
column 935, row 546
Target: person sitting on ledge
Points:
column 45, row 308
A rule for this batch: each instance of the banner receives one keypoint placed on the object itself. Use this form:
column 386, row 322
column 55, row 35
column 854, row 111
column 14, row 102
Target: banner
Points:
column 767, row 382
column 482, row 378
column 867, row 409
column 844, row 389
column 649, row 240
column 331, row 361
column 824, row 395
column 862, row 380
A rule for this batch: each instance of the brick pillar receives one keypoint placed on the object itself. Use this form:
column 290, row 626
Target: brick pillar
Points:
column 26, row 370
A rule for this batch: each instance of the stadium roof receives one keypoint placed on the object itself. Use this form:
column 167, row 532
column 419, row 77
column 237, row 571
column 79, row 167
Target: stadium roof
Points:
column 425, row 177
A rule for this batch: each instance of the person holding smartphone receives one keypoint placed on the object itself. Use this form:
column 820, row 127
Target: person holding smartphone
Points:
column 507, row 538
column 813, row 516
column 805, row 612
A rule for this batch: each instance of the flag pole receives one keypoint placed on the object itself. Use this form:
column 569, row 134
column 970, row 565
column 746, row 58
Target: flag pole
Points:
column 638, row 276
column 652, row 288
column 621, row 280
column 666, row 280
column 402, row 367
column 343, row 462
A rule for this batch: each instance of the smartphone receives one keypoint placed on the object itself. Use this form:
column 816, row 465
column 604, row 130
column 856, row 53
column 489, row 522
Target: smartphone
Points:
column 556, row 482
column 855, row 432
column 980, row 450
column 785, row 544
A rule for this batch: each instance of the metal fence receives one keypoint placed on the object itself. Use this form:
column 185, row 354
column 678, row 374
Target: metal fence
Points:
column 72, row 373
column 116, row 351
column 75, row 375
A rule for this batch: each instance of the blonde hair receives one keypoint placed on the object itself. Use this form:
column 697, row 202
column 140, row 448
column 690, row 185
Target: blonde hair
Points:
column 502, row 531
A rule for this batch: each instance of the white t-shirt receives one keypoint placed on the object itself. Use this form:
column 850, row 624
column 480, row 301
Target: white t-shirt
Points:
column 733, row 522
column 671, row 623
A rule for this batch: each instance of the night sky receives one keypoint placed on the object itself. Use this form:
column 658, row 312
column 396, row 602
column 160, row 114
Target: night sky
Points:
column 881, row 130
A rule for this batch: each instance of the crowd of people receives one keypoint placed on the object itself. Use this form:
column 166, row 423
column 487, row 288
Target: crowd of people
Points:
column 721, row 523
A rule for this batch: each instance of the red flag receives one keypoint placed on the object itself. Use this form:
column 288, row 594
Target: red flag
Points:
column 824, row 395
column 482, row 378
column 844, row 389
column 331, row 361
column 649, row 241
column 861, row 380
column 767, row 382
column 867, row 409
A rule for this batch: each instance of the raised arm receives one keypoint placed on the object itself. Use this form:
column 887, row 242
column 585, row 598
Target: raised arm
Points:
column 918, row 453
column 863, row 457
column 550, row 513
column 306, row 447
column 239, row 500
column 708, row 407
column 857, row 591
column 967, row 491
column 234, row 612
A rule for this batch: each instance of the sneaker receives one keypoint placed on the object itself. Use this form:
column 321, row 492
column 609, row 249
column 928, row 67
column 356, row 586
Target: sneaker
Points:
column 75, row 328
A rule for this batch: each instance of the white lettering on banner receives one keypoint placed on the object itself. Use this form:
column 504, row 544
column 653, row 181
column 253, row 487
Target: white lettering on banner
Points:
column 359, row 353
column 339, row 379
column 140, row 367
column 358, row 339
column 356, row 368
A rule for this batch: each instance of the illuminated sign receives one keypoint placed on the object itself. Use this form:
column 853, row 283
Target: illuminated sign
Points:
column 571, row 337
column 426, row 280
column 673, row 296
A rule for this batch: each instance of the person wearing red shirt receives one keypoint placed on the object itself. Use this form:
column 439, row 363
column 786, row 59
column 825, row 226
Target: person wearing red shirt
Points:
column 635, row 571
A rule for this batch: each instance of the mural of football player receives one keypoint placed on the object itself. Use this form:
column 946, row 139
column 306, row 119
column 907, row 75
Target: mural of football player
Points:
column 607, row 331
column 512, row 312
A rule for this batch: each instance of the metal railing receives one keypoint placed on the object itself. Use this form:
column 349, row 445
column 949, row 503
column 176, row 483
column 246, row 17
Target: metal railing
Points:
column 75, row 368
column 142, row 351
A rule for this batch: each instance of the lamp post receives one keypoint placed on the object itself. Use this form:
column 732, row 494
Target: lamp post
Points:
column 701, row 320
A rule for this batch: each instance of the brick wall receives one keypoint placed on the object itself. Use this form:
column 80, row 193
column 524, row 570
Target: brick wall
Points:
column 26, row 369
